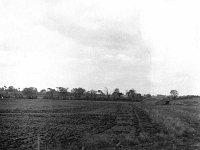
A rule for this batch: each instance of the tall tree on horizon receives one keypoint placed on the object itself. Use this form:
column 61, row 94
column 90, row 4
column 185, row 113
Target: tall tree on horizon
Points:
column 174, row 93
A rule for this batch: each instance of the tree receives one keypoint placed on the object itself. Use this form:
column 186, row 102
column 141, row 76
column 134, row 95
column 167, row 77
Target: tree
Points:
column 107, row 93
column 147, row 95
column 10, row 92
column 93, row 94
column 138, row 97
column 51, row 94
column 13, row 93
column 99, row 91
column 63, row 92
column 42, row 93
column 78, row 92
column 174, row 94
column 30, row 92
column 131, row 94
column 100, row 94
column 2, row 93
column 11, row 89
column 117, row 93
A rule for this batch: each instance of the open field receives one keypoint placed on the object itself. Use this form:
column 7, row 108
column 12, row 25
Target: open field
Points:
column 61, row 124
column 181, row 118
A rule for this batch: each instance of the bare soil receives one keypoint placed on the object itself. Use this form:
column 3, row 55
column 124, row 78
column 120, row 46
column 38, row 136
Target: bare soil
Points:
column 80, row 125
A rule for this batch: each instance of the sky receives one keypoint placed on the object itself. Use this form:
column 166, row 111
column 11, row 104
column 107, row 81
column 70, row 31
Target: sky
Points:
column 151, row 46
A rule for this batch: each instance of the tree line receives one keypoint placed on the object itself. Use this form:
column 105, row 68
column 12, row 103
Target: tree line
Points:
column 62, row 93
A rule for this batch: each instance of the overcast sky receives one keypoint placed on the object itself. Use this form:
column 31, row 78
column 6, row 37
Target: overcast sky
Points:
column 151, row 46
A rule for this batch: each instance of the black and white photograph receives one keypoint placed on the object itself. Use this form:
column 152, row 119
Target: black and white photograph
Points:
column 99, row 75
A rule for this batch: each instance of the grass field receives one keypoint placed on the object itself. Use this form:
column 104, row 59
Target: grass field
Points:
column 181, row 119
column 89, row 125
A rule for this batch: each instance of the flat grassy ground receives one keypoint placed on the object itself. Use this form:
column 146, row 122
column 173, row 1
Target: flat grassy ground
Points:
column 181, row 118
column 61, row 124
